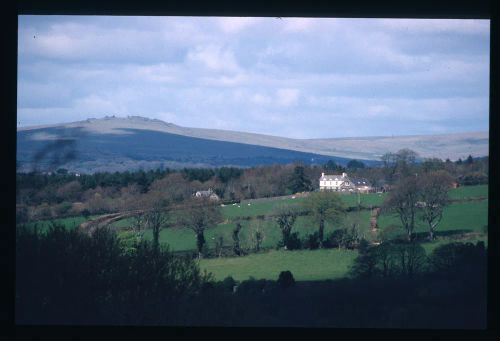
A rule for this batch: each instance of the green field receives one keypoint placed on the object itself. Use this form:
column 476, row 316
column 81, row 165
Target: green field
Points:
column 183, row 239
column 467, row 192
column 305, row 265
column 69, row 223
column 459, row 218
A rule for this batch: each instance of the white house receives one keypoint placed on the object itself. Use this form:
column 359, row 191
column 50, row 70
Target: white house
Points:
column 340, row 183
column 207, row 194
column 343, row 183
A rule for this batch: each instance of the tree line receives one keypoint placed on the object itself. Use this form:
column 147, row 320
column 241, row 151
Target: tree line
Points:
column 44, row 196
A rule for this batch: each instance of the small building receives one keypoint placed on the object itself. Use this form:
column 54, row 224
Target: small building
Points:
column 362, row 185
column 207, row 194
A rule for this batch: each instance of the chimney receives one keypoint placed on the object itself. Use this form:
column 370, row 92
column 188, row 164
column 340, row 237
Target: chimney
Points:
column 322, row 174
column 344, row 175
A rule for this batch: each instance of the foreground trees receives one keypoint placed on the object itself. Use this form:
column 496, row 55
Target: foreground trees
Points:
column 324, row 207
column 68, row 277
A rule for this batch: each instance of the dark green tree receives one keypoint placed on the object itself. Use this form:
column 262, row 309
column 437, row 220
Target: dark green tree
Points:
column 285, row 216
column 236, row 239
column 355, row 164
column 299, row 182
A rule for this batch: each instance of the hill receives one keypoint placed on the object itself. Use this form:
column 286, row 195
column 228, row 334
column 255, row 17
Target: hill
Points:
column 114, row 143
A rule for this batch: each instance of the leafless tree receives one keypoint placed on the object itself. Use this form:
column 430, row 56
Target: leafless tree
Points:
column 156, row 218
column 402, row 200
column 433, row 195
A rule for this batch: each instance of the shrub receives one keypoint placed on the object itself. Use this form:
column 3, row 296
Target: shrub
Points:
column 86, row 213
column 63, row 208
column 285, row 279
column 312, row 241
column 293, row 242
column 227, row 283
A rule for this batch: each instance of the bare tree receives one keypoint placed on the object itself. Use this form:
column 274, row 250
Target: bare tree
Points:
column 156, row 218
column 403, row 201
column 198, row 215
column 399, row 165
column 324, row 207
column 433, row 194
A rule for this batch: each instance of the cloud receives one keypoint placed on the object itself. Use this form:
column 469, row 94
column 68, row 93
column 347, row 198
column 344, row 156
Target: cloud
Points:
column 287, row 97
column 437, row 26
column 214, row 57
column 297, row 77
column 235, row 25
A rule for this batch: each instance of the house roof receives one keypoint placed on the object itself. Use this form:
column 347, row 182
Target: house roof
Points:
column 205, row 193
column 360, row 182
column 333, row 177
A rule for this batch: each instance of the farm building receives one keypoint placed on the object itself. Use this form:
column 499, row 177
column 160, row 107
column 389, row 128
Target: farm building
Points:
column 343, row 183
column 207, row 194
column 362, row 185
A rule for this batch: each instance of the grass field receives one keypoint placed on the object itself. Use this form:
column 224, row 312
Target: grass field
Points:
column 305, row 265
column 69, row 223
column 460, row 217
column 183, row 239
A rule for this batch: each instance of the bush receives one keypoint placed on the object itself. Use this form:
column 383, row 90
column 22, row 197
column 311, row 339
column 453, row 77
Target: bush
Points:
column 252, row 286
column 63, row 208
column 86, row 213
column 285, row 279
column 67, row 277
column 312, row 241
column 227, row 283
column 457, row 259
column 294, row 242
column 334, row 239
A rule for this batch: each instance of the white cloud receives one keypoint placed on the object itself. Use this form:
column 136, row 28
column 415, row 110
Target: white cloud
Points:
column 461, row 26
column 298, row 24
column 214, row 57
column 236, row 24
column 287, row 97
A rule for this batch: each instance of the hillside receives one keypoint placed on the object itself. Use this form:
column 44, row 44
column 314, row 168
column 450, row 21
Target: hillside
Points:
column 84, row 151
column 141, row 142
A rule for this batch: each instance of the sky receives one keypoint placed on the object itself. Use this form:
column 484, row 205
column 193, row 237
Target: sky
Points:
column 291, row 77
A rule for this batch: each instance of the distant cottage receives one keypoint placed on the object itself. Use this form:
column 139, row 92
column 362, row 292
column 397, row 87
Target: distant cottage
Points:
column 207, row 194
column 342, row 183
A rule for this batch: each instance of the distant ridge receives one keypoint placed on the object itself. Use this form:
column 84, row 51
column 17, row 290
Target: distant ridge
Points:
column 452, row 146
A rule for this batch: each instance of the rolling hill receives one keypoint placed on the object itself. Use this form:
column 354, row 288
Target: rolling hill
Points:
column 114, row 143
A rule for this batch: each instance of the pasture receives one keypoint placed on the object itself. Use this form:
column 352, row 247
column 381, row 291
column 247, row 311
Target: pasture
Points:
column 465, row 217
column 306, row 265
